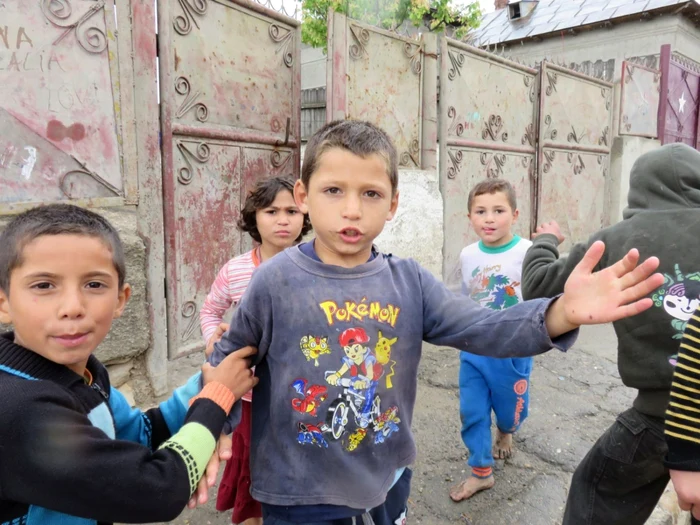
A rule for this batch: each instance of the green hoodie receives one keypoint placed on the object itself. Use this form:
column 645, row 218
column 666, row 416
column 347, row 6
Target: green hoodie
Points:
column 662, row 219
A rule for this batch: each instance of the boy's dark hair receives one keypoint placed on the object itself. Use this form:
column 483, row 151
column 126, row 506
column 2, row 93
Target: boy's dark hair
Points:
column 55, row 219
column 492, row 186
column 262, row 196
column 358, row 137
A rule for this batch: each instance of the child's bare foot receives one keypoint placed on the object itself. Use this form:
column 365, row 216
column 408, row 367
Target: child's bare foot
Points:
column 503, row 448
column 470, row 486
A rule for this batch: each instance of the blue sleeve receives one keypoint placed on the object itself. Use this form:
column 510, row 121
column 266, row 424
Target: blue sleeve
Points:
column 453, row 320
column 131, row 424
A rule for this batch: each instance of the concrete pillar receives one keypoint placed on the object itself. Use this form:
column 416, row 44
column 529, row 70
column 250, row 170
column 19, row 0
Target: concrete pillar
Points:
column 625, row 151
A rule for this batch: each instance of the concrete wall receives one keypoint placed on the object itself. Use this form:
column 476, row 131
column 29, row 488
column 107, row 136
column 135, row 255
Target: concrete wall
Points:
column 313, row 67
column 417, row 229
column 625, row 152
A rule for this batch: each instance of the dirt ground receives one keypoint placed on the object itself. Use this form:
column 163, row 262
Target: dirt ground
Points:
column 574, row 398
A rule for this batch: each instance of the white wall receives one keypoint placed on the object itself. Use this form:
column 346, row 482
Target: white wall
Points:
column 625, row 152
column 417, row 229
column 313, row 67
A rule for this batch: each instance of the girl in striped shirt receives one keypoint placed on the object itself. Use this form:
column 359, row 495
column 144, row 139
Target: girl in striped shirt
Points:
column 273, row 220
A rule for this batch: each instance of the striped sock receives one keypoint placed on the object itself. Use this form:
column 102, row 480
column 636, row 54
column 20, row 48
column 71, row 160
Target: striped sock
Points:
column 482, row 472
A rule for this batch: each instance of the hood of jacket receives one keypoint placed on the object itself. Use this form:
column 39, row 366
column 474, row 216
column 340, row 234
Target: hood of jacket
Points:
column 664, row 179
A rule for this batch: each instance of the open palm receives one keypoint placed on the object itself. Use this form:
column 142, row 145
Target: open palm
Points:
column 610, row 294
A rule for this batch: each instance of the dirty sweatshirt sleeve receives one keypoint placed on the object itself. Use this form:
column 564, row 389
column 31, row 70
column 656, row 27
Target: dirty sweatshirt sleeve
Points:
column 52, row 457
column 251, row 325
column 683, row 412
column 457, row 321
column 544, row 273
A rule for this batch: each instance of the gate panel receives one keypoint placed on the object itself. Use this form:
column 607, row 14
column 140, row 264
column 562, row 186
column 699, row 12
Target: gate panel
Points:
column 680, row 100
column 639, row 100
column 376, row 75
column 230, row 91
column 60, row 104
column 574, row 151
column 487, row 130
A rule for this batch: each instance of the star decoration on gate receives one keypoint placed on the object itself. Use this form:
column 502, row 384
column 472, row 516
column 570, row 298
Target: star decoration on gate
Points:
column 681, row 103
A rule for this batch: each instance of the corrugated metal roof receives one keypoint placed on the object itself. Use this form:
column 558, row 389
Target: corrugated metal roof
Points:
column 558, row 15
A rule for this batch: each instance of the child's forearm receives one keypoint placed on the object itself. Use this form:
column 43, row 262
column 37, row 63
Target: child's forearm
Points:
column 557, row 321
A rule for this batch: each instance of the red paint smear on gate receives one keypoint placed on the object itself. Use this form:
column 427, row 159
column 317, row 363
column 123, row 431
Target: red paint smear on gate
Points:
column 207, row 217
column 57, row 131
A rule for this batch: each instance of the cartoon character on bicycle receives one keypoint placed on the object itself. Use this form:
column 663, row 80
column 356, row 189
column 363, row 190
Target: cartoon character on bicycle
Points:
column 359, row 388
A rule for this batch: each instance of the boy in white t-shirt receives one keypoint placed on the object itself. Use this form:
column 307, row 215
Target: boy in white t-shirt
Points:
column 491, row 270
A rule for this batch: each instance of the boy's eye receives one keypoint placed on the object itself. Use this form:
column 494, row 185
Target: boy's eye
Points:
column 42, row 286
column 271, row 212
column 333, row 191
column 293, row 212
column 373, row 194
column 94, row 285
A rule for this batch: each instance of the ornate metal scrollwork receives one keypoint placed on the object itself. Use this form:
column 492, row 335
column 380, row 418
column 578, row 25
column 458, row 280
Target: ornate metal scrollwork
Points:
column 456, row 158
column 456, row 127
column 529, row 136
column 414, row 53
column 361, row 37
column 200, row 155
column 278, row 159
column 411, row 155
column 492, row 129
column 529, row 83
column 494, row 163
column 189, row 311
column 182, row 86
column 573, row 136
column 603, row 140
column 91, row 38
column 548, row 159
column 606, row 95
column 551, row 83
column 457, row 61
column 284, row 38
column 65, row 187
column 549, row 134
column 183, row 23
column 627, row 125
column 577, row 161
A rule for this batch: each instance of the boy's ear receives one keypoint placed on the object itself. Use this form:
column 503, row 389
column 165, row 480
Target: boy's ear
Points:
column 5, row 316
column 394, row 206
column 124, row 295
column 516, row 213
column 300, row 195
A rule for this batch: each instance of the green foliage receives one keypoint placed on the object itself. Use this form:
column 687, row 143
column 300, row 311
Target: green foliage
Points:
column 387, row 14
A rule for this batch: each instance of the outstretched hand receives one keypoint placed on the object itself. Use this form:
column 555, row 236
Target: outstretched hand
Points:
column 608, row 295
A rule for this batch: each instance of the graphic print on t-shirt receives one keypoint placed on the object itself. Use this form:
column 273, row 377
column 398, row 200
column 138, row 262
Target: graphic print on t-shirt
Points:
column 492, row 289
column 354, row 410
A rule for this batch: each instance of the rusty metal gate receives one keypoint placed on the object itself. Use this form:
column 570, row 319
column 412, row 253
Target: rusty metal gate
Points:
column 680, row 100
column 230, row 105
column 574, row 142
column 66, row 104
column 390, row 80
column 640, row 87
column 487, row 129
